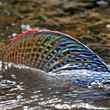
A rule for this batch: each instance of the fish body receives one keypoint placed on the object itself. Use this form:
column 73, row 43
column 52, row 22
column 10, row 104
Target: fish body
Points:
column 57, row 54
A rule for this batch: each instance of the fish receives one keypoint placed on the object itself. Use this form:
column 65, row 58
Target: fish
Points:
column 58, row 54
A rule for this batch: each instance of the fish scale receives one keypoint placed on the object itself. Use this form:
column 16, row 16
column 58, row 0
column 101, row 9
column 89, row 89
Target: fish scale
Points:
column 53, row 49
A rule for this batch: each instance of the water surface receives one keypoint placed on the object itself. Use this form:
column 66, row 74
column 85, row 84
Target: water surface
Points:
column 27, row 89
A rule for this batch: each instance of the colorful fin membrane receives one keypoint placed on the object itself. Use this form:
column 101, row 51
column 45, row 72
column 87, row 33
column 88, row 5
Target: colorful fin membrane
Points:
column 50, row 51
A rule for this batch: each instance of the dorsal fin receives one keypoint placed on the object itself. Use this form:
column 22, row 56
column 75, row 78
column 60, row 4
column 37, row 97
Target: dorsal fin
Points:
column 51, row 50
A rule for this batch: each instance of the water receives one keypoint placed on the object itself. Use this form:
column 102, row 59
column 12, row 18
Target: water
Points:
column 30, row 89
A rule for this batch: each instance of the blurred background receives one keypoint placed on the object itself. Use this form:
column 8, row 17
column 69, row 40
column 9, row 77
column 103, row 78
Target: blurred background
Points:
column 86, row 20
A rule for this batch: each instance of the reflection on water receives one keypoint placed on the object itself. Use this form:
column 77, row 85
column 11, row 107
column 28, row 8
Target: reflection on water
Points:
column 26, row 89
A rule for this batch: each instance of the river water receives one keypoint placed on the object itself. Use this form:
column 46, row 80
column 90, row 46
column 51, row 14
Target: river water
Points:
column 30, row 89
